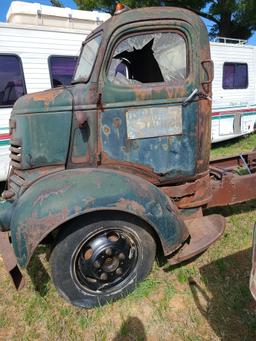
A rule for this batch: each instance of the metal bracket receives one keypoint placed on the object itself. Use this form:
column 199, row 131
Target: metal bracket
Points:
column 10, row 262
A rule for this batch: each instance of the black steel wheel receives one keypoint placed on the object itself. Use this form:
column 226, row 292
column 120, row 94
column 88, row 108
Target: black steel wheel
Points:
column 101, row 261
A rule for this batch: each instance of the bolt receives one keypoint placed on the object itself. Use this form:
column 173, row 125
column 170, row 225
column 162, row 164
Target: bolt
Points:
column 119, row 271
column 104, row 276
column 108, row 252
column 121, row 256
column 96, row 264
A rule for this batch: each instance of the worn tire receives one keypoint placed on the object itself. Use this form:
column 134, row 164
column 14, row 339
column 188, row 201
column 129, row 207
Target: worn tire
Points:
column 101, row 261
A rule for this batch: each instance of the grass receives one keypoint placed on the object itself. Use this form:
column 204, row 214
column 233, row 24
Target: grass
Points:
column 207, row 299
column 234, row 147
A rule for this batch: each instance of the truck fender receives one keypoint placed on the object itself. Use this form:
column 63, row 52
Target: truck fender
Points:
column 60, row 197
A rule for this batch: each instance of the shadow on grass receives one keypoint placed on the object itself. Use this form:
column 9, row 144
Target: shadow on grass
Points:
column 38, row 274
column 227, row 304
column 131, row 329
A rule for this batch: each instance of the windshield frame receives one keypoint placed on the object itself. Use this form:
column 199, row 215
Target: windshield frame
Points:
column 86, row 79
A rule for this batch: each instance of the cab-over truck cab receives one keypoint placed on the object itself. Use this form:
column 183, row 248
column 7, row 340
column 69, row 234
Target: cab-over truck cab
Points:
column 115, row 167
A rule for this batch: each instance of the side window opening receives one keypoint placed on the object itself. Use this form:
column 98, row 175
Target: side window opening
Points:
column 139, row 62
column 149, row 58
column 235, row 76
column 62, row 69
column 12, row 83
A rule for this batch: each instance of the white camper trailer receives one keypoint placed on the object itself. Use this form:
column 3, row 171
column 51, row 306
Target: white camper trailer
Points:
column 39, row 46
column 234, row 89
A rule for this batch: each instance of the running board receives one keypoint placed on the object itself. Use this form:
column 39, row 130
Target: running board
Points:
column 203, row 231
column 10, row 262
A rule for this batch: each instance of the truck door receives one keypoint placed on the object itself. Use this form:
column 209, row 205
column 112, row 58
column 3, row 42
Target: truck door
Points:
column 146, row 76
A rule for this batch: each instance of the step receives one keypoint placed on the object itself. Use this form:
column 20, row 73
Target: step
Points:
column 204, row 231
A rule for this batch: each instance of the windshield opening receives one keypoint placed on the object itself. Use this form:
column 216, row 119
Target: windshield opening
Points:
column 87, row 59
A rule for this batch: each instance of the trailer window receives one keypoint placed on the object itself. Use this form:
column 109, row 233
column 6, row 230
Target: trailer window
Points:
column 62, row 69
column 235, row 76
column 12, row 84
column 149, row 58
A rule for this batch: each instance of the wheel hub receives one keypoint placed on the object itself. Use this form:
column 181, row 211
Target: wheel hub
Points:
column 110, row 264
column 106, row 259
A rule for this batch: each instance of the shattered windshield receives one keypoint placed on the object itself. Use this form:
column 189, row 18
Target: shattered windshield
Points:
column 87, row 58
column 149, row 58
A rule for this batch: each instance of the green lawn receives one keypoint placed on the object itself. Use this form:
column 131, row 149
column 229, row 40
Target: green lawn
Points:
column 207, row 299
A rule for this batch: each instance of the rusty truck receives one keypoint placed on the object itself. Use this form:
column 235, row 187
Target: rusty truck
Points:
column 115, row 169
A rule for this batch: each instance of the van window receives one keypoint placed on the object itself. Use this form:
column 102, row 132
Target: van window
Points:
column 12, row 84
column 62, row 69
column 149, row 58
column 235, row 76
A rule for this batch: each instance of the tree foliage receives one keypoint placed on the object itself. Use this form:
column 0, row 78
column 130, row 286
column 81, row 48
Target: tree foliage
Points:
column 56, row 3
column 234, row 19
column 231, row 18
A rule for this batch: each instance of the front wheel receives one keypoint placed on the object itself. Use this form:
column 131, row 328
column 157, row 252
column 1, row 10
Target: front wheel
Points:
column 101, row 261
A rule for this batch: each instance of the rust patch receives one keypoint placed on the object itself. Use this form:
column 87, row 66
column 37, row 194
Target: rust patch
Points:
column 88, row 201
column 130, row 168
column 47, row 194
column 190, row 194
column 232, row 189
column 117, row 122
column 106, row 130
column 228, row 187
column 88, row 254
column 40, row 228
column 80, row 159
column 46, row 96
column 130, row 204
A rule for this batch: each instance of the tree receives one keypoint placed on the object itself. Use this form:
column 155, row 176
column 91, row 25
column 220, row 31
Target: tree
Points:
column 109, row 6
column 235, row 19
column 231, row 18
column 56, row 3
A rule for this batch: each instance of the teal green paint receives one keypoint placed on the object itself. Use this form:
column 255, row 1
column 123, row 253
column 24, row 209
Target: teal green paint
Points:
column 47, row 101
column 43, row 129
column 44, row 140
column 44, row 122
column 249, row 113
column 71, row 193
column 80, row 148
column 222, row 117
column 4, row 143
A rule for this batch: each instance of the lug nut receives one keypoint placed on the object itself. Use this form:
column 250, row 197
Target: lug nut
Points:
column 104, row 276
column 121, row 256
column 96, row 264
column 108, row 252
column 119, row 271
